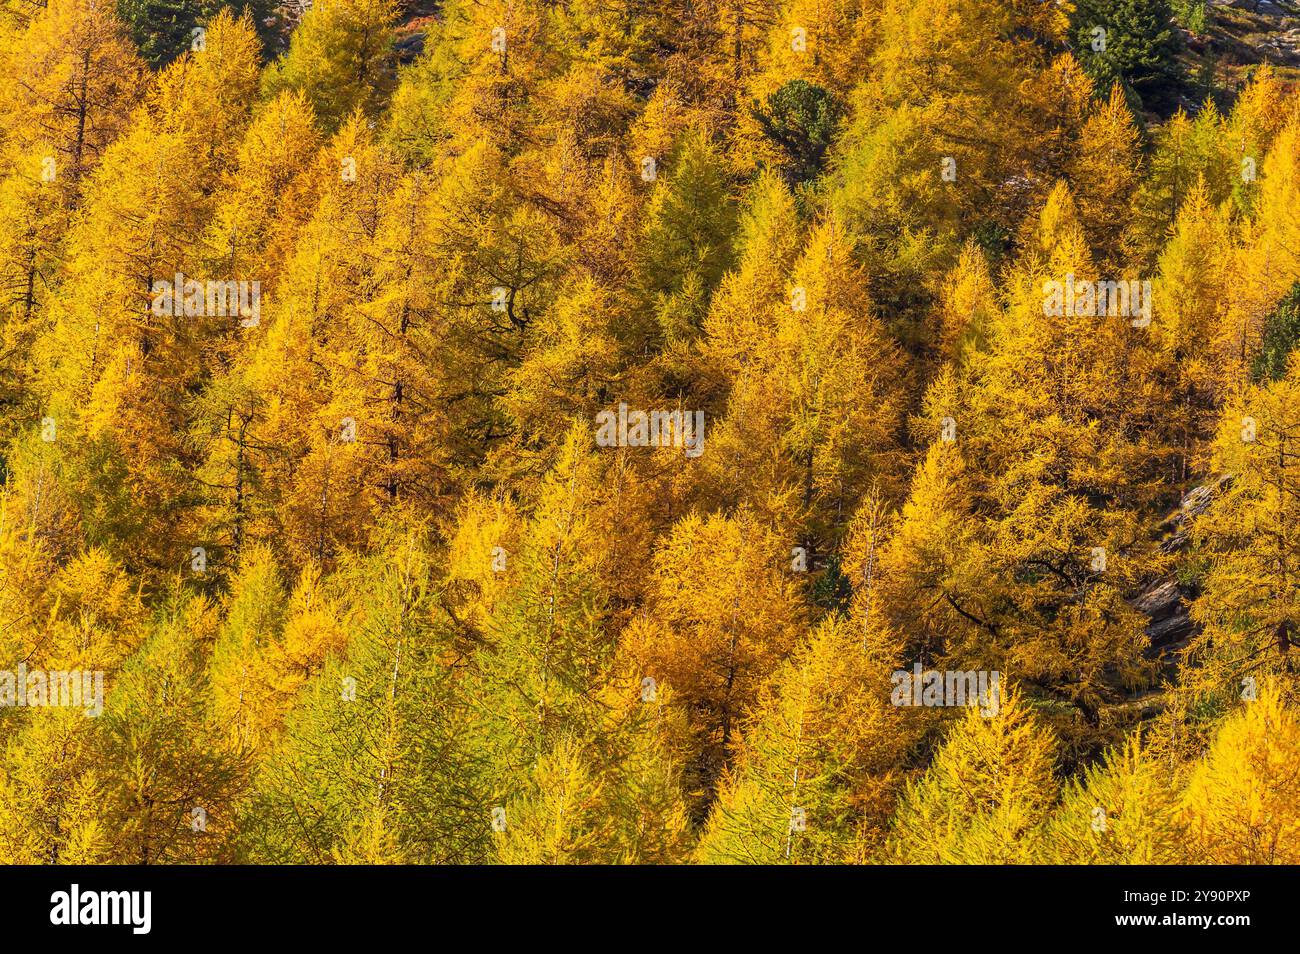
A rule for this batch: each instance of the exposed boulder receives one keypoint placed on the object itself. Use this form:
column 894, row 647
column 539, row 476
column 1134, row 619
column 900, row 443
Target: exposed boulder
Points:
column 1166, row 600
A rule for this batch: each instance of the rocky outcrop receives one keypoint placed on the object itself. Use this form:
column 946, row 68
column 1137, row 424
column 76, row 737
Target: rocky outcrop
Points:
column 1245, row 31
column 1166, row 600
column 407, row 47
column 1166, row 603
column 419, row 18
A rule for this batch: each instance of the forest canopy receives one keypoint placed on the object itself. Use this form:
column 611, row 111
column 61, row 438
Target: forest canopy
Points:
column 716, row 431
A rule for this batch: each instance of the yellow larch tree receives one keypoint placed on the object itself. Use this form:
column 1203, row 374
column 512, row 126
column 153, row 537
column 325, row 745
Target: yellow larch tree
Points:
column 1240, row 804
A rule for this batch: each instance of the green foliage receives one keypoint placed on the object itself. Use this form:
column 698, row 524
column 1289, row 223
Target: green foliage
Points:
column 340, row 55
column 686, row 240
column 164, row 29
column 372, row 765
column 1195, row 16
column 1281, row 334
column 1139, row 49
column 802, row 119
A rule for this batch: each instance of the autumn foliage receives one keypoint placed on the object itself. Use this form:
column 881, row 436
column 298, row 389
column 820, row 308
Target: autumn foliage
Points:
column 363, row 584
